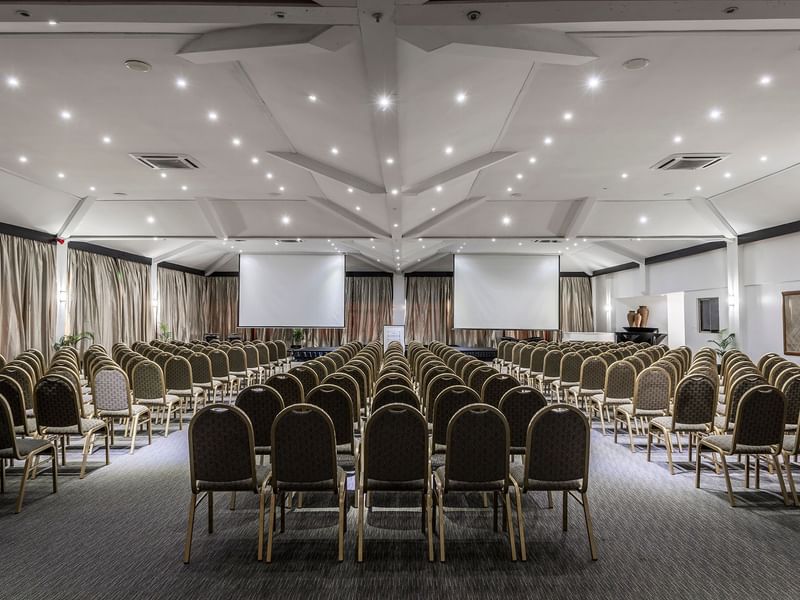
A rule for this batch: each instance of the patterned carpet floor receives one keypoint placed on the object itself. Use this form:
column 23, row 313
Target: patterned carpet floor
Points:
column 119, row 533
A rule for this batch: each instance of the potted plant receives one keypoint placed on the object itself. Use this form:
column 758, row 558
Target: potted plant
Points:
column 297, row 337
column 165, row 334
column 724, row 342
column 66, row 341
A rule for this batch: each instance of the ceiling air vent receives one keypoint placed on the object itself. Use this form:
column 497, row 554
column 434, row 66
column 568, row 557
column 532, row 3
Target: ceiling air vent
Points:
column 689, row 162
column 294, row 241
column 166, row 161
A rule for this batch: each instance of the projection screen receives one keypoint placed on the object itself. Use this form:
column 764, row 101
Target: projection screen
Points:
column 291, row 290
column 503, row 291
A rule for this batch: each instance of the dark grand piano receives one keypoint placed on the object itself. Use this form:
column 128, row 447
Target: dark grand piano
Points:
column 649, row 335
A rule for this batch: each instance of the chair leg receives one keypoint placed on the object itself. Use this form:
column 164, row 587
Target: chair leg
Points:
column 565, row 510
column 780, row 479
column 25, row 474
column 342, row 498
column 494, row 509
column 360, row 526
column 187, row 547
column 440, row 498
column 86, row 443
column 270, row 526
column 166, row 427
column 134, row 429
column 429, row 517
column 261, row 498
column 602, row 421
column 510, row 521
column 210, row 496
column 520, row 523
column 727, row 479
column 630, row 433
column 649, row 443
column 55, row 469
column 2, row 476
column 589, row 530
column 788, row 466
column 697, row 466
column 232, row 505
column 108, row 449
column 668, row 444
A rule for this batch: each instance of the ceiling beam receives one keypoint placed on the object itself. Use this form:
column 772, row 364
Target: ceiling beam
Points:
column 176, row 252
column 617, row 249
column 577, row 216
column 383, row 266
column 431, row 259
column 422, row 255
column 446, row 215
column 465, row 168
column 541, row 45
column 75, row 217
column 211, row 216
column 219, row 262
column 706, row 209
column 353, row 218
column 320, row 168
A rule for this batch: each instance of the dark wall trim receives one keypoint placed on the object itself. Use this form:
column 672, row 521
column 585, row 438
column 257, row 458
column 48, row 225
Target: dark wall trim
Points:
column 181, row 268
column 573, row 274
column 367, row 274
column 769, row 232
column 616, row 269
column 118, row 254
column 684, row 252
column 429, row 274
column 225, row 274
column 28, row 234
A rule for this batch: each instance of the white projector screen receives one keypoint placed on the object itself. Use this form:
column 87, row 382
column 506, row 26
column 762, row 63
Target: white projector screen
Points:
column 503, row 291
column 291, row 290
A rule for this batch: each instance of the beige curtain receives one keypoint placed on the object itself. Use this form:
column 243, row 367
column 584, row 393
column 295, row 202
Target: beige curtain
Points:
column 576, row 304
column 110, row 298
column 221, row 304
column 181, row 298
column 28, row 295
column 368, row 307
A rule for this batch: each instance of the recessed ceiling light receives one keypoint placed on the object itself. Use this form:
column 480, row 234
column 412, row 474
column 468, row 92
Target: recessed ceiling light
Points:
column 635, row 64
column 519, row 243
column 764, row 158
column 312, row 98
column 727, row 175
column 638, row 239
column 92, row 188
column 677, row 139
column 567, row 116
column 697, row 188
column 494, row 240
column 163, row 175
column 12, row 81
column 438, row 188
column 715, row 114
column 358, row 208
column 106, row 139
column 350, row 190
column 593, row 82
column 583, row 240
column 275, row 242
column 643, row 219
column 236, row 141
column 423, row 246
column 461, row 97
column 509, row 189
column 285, row 219
column 61, row 175
column 212, row 115
column 281, row 189
column 532, row 160
column 269, row 175
column 334, row 150
column 765, row 79
column 624, row 175
column 397, row 249
column 66, row 115
column 373, row 247
column 395, row 191
column 255, row 160
column 448, row 149
column 23, row 159
column 184, row 187
column 181, row 83
column 519, row 176
column 384, row 102
column 575, row 244
column 396, row 225
column 433, row 209
column 155, row 239
column 139, row 66
column 548, row 140
column 52, row 22
column 506, row 220
column 390, row 161
column 151, row 220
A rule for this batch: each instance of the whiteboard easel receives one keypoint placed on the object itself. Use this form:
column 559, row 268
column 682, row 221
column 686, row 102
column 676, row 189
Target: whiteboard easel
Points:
column 394, row 333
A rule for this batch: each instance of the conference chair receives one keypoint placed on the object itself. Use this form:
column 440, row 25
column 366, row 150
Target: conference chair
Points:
column 329, row 364
column 651, row 398
column 304, row 460
column 791, row 447
column 495, row 386
column 261, row 403
column 307, row 376
column 337, row 405
column 254, row 369
column 57, row 407
column 556, row 460
column 318, row 368
column 551, row 370
column 758, row 431
column 476, row 460
column 734, row 392
column 238, row 368
column 24, row 425
column 394, row 456
column 591, row 381
column 395, row 394
column 358, row 375
column 436, row 386
column 283, row 358
column 519, row 405
column 149, row 390
column 349, row 385
column 220, row 372
column 24, row 449
column 446, row 404
column 692, row 413
column 112, row 398
column 569, row 375
column 618, row 390
column 222, row 459
column 202, row 376
column 23, row 379
column 179, row 382
column 288, row 386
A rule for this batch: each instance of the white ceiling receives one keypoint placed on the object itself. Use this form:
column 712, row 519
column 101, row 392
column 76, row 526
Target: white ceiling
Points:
column 519, row 78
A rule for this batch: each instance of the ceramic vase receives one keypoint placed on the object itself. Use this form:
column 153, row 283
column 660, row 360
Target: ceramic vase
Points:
column 631, row 317
column 644, row 312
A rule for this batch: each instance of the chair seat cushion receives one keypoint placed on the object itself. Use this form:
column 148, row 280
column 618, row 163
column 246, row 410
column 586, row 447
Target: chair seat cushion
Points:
column 24, row 447
column 313, row 486
column 579, row 391
column 136, row 409
column 29, row 427
column 167, row 400
column 469, row 486
column 228, row 379
column 601, row 399
column 239, row 485
column 86, row 426
column 725, row 444
column 211, row 385
column 665, row 424
column 195, row 391
column 720, row 423
column 789, row 443
column 379, row 485
column 628, row 410
column 517, row 472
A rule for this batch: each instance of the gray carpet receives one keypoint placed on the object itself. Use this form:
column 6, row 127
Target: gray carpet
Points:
column 119, row 534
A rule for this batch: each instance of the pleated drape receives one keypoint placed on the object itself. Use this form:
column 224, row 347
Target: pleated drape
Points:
column 182, row 303
column 221, row 303
column 576, row 304
column 110, row 298
column 28, row 295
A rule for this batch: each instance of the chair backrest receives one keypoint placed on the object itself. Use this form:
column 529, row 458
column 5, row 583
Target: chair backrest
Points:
column 336, row 403
column 288, row 386
column 11, row 390
column 221, row 447
column 462, row 362
column 329, row 364
column 8, row 439
column 273, row 351
column 392, row 379
column 436, row 386
column 237, row 359
column 306, row 376
column 358, row 375
column 518, row 405
column 318, row 368
column 695, row 401
column 395, row 445
column 201, row 368
column 652, row 390
column 178, row 374
column 760, row 418
column 110, row 389
column 220, row 366
column 303, row 446
column 337, row 358
column 447, row 403
column 791, row 391
column 395, row 394
column 593, row 373
column 251, row 355
column 478, row 445
column 620, row 380
column 495, row 386
column 557, row 448
column 570, row 368
column 735, row 390
column 261, row 404
column 56, row 403
column 537, row 359
column 23, row 378
column 283, row 350
column 349, row 384
column 469, row 368
column 148, row 381
column 479, row 376
column 552, row 363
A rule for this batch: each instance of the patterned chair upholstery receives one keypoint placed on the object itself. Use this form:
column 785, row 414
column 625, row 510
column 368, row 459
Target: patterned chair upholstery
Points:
column 349, row 384
column 651, row 398
column 288, row 386
column 318, row 368
column 392, row 379
column 149, row 390
column 202, row 376
column 592, row 380
column 436, row 386
column 446, row 404
column 220, row 371
column 261, row 404
column 620, row 382
column 495, row 386
column 24, row 425
column 180, row 382
column 395, row 394
column 335, row 401
column 556, row 460
column 519, row 405
column 112, row 397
